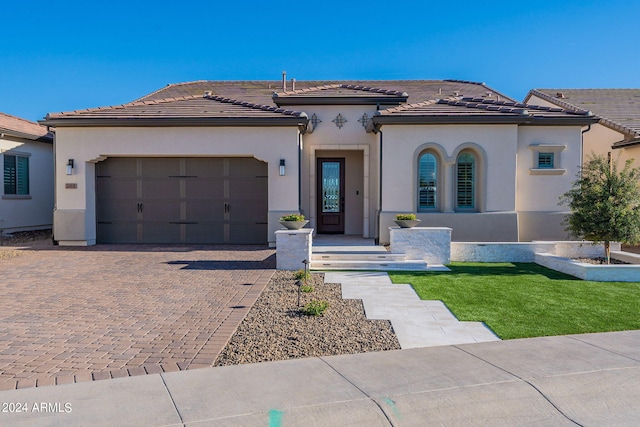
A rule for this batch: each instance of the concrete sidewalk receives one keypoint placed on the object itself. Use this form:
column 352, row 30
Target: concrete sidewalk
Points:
column 582, row 379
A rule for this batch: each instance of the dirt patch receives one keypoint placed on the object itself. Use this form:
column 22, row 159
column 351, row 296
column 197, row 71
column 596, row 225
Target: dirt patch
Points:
column 599, row 261
column 19, row 237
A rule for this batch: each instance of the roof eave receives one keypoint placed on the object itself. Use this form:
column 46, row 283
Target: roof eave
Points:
column 175, row 121
column 519, row 120
column 22, row 135
column 626, row 144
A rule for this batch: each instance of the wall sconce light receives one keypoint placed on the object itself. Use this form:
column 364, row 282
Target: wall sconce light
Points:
column 282, row 171
column 70, row 167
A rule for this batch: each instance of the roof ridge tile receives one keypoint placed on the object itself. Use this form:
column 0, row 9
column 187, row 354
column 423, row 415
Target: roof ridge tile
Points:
column 250, row 105
column 341, row 85
column 420, row 104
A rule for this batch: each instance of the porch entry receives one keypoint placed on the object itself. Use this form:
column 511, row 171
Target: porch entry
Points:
column 331, row 193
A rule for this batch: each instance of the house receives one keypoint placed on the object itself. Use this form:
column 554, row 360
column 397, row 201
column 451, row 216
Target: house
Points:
column 220, row 162
column 618, row 111
column 26, row 153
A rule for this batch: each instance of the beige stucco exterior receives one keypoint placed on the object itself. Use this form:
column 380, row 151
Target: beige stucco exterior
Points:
column 74, row 216
column 539, row 214
column 599, row 138
column 360, row 150
column 32, row 211
column 513, row 201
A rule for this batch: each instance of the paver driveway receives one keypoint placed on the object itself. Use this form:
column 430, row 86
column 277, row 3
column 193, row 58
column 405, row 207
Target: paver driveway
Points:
column 108, row 311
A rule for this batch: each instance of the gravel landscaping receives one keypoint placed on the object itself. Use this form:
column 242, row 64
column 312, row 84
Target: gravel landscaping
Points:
column 599, row 261
column 275, row 329
column 18, row 238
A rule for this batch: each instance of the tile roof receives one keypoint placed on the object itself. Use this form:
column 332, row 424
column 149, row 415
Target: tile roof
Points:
column 341, row 90
column 196, row 107
column 262, row 91
column 482, row 109
column 618, row 109
column 23, row 128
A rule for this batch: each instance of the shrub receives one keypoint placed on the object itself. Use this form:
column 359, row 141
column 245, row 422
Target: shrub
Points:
column 292, row 217
column 306, row 288
column 405, row 217
column 605, row 203
column 315, row 308
column 302, row 275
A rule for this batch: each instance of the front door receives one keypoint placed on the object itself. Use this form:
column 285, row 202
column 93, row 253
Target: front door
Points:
column 330, row 195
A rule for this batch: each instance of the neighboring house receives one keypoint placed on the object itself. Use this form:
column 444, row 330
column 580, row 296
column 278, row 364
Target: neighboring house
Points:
column 26, row 155
column 220, row 162
column 618, row 111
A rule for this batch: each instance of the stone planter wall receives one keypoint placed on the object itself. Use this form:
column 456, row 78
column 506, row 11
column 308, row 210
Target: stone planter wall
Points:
column 498, row 252
column 293, row 247
column 523, row 251
column 582, row 249
column 597, row 273
column 431, row 244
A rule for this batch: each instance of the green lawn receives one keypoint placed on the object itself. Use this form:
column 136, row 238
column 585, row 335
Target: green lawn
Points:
column 519, row 300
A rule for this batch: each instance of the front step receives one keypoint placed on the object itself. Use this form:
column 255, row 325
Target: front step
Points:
column 411, row 265
column 357, row 256
column 396, row 262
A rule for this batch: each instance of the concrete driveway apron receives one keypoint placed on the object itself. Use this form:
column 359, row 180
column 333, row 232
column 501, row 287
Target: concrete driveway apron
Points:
column 109, row 311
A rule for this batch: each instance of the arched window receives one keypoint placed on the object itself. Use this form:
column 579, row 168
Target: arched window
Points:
column 466, row 181
column 427, row 181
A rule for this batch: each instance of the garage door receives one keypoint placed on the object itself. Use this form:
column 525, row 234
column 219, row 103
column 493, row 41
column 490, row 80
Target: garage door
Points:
column 181, row 200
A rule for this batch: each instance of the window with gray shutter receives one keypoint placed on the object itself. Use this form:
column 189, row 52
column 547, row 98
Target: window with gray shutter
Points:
column 427, row 181
column 16, row 175
column 465, row 184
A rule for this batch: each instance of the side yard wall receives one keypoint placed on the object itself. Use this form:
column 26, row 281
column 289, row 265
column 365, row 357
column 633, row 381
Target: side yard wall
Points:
column 523, row 251
column 597, row 273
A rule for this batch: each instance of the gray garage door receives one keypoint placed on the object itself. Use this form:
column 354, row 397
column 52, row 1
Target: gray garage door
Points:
column 181, row 200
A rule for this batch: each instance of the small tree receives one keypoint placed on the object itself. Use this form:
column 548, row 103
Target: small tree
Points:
column 604, row 203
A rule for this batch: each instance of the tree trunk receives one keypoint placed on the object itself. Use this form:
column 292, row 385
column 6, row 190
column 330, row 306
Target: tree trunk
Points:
column 607, row 251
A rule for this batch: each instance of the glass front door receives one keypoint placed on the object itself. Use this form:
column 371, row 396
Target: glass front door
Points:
column 330, row 195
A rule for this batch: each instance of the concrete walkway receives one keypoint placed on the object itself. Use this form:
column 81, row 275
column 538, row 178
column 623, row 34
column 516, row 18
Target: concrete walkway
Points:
column 589, row 380
column 417, row 323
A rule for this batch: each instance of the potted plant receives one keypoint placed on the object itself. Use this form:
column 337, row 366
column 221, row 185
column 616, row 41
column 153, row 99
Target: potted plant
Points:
column 406, row 220
column 293, row 221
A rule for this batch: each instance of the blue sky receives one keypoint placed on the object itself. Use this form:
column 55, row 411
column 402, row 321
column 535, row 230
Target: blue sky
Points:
column 60, row 56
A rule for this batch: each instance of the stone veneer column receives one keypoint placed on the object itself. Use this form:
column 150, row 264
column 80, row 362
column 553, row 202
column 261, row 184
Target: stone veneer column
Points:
column 293, row 247
column 431, row 244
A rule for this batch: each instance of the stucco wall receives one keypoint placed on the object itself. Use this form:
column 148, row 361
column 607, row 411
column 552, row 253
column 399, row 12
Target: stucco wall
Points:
column 495, row 147
column 88, row 146
column 538, row 190
column 36, row 210
column 360, row 150
column 513, row 201
column 599, row 139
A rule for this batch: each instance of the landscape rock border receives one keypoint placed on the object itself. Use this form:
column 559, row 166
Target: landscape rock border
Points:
column 275, row 329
